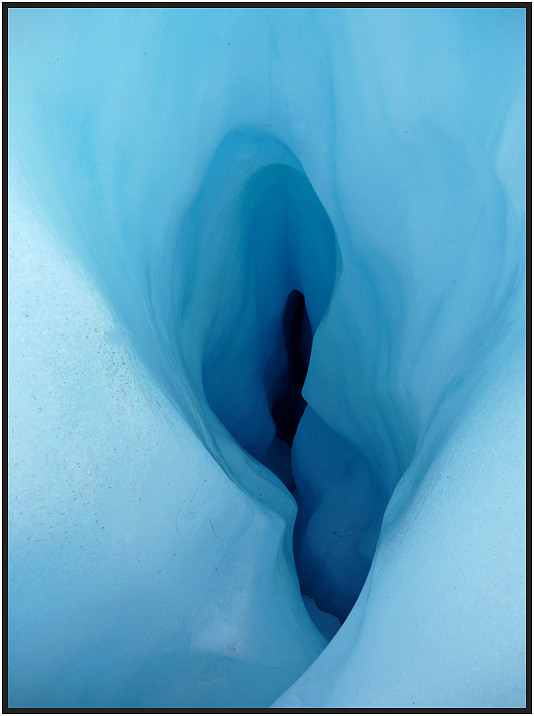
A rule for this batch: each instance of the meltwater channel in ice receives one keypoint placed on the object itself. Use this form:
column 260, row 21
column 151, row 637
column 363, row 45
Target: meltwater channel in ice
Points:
column 267, row 357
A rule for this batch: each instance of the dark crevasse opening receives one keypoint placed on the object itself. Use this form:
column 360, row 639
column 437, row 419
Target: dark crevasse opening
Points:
column 288, row 405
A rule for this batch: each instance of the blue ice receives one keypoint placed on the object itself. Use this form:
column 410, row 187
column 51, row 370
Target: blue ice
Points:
column 267, row 357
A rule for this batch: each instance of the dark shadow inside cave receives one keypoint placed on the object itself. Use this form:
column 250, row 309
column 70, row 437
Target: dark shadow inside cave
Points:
column 288, row 405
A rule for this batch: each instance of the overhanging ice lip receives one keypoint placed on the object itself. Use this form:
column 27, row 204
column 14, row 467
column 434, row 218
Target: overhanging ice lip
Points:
column 150, row 555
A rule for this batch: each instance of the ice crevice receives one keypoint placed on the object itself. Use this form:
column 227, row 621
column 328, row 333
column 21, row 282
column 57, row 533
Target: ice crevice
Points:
column 262, row 266
column 266, row 358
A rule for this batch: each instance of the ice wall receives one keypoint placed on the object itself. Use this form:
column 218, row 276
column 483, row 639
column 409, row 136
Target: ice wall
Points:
column 174, row 175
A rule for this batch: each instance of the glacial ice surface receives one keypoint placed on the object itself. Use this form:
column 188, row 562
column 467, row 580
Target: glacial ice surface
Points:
column 176, row 176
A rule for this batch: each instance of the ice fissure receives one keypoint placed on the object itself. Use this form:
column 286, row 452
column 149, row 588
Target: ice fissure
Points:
column 266, row 358
column 288, row 404
column 273, row 256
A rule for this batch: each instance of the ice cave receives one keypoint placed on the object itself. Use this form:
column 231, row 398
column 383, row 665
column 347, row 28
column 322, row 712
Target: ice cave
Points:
column 267, row 357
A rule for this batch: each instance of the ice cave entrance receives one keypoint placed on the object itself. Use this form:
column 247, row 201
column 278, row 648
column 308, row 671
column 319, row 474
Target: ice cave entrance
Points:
column 262, row 263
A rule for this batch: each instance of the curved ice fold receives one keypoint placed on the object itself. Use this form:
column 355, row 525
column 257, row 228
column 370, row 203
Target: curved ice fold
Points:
column 201, row 164
column 255, row 233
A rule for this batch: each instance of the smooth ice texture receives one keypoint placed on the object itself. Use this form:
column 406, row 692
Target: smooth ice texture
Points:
column 175, row 174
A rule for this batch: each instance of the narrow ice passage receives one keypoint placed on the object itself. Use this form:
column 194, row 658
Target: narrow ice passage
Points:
column 267, row 256
column 267, row 358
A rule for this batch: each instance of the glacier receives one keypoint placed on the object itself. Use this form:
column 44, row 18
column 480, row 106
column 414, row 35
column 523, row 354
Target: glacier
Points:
column 267, row 357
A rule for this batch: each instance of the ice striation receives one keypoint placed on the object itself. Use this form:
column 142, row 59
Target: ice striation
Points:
column 267, row 358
